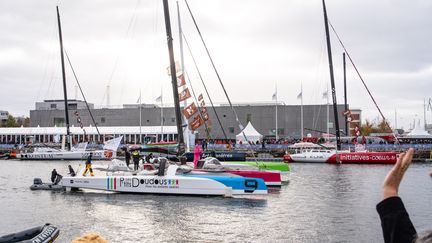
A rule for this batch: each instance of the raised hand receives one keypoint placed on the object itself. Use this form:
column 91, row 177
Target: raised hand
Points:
column 394, row 177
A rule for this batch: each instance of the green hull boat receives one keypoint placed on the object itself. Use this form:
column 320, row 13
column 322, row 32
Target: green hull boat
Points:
column 265, row 165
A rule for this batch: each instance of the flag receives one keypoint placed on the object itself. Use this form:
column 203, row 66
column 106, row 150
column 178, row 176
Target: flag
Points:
column 300, row 95
column 196, row 123
column 203, row 110
column 274, row 96
column 113, row 144
column 159, row 99
column 185, row 94
column 190, row 110
column 205, row 116
column 325, row 95
column 181, row 80
column 177, row 67
column 139, row 99
column 202, row 103
column 200, row 97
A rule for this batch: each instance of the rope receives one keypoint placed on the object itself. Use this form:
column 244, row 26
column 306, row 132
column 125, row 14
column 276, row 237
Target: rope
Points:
column 82, row 93
column 364, row 83
column 218, row 76
column 205, row 87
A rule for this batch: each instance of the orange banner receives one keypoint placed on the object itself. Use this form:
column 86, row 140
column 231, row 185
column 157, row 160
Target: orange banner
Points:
column 190, row 110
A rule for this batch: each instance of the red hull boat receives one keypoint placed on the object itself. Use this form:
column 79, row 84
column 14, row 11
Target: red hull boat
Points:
column 364, row 158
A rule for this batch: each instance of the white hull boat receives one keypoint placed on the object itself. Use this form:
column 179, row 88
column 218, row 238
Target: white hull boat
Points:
column 78, row 153
column 66, row 155
column 310, row 156
column 166, row 183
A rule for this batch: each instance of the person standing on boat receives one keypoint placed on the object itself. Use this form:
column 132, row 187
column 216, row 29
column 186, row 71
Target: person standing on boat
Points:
column 148, row 158
column 197, row 155
column 136, row 159
column 89, row 165
column 71, row 171
column 55, row 177
column 127, row 157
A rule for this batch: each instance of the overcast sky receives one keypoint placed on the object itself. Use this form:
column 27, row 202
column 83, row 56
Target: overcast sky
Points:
column 254, row 44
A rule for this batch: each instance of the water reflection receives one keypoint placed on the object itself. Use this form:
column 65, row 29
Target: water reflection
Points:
column 320, row 203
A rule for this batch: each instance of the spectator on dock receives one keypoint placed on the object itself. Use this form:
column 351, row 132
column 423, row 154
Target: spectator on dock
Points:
column 395, row 221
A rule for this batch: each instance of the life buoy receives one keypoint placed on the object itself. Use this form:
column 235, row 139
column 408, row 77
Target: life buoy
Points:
column 108, row 154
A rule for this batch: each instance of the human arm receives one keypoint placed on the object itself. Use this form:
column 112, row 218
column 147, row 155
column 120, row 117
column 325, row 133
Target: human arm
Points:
column 395, row 221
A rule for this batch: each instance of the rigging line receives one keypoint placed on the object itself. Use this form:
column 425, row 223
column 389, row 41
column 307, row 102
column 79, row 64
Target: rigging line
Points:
column 116, row 62
column 199, row 107
column 214, row 66
column 82, row 93
column 205, row 87
column 364, row 84
column 219, row 78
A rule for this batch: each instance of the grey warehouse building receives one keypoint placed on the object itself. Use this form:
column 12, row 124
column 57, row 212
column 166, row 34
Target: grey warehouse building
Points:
column 262, row 116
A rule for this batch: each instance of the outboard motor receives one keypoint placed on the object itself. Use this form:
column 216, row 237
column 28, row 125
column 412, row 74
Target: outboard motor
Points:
column 37, row 181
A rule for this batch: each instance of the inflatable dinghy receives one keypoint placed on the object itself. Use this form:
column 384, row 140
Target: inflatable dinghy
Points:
column 39, row 185
column 44, row 234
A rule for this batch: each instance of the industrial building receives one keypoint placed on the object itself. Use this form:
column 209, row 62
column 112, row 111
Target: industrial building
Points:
column 50, row 113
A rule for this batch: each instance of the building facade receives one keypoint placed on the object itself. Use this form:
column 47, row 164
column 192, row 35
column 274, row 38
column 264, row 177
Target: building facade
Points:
column 262, row 117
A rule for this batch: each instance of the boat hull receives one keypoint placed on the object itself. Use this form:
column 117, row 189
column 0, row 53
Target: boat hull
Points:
column 183, row 185
column 67, row 155
column 270, row 178
column 44, row 234
column 364, row 158
column 265, row 165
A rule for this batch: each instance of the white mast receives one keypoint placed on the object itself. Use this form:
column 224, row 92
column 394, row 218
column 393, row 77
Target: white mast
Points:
column 276, row 98
column 162, row 119
column 424, row 112
column 140, row 119
column 186, row 131
column 395, row 119
column 301, row 110
column 108, row 95
column 328, row 113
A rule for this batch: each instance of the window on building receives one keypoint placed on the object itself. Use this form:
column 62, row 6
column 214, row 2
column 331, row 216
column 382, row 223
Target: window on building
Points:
column 102, row 119
column 231, row 129
column 59, row 121
column 248, row 118
column 173, row 119
column 73, row 106
column 53, row 106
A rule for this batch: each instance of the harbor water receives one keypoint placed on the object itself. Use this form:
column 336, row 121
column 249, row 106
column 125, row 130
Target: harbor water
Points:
column 321, row 203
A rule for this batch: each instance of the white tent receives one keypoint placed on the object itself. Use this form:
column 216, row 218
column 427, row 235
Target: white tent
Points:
column 418, row 132
column 251, row 135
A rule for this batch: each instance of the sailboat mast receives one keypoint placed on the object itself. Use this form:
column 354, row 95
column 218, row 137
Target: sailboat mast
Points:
column 181, row 145
column 187, row 132
column 345, row 95
column 329, row 53
column 64, row 81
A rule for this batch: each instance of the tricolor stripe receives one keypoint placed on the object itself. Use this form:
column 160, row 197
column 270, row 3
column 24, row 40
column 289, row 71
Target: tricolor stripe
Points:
column 111, row 183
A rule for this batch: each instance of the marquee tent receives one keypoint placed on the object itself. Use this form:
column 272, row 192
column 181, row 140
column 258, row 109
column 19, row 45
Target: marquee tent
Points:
column 251, row 135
